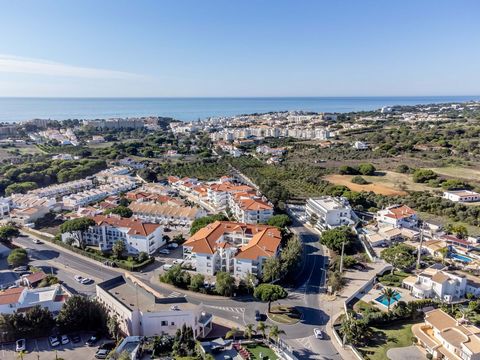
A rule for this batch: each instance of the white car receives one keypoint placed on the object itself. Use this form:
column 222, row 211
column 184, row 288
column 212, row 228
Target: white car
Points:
column 78, row 278
column 318, row 333
column 53, row 340
column 164, row 252
column 64, row 339
column 172, row 245
column 86, row 281
column 178, row 261
column 36, row 241
column 20, row 345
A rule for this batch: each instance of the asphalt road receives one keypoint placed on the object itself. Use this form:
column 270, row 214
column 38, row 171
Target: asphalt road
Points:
column 305, row 295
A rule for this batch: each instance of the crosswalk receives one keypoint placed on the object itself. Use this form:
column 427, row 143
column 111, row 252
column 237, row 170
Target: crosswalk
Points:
column 238, row 310
column 304, row 342
column 175, row 294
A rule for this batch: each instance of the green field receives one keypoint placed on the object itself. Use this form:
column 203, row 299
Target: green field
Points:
column 398, row 335
column 459, row 172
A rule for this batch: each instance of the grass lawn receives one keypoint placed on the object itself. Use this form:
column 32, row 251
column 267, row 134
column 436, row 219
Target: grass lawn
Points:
column 361, row 306
column 385, row 338
column 394, row 280
column 284, row 314
column 256, row 349
column 472, row 230
column 459, row 172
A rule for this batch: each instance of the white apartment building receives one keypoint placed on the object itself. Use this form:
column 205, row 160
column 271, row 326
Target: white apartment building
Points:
column 165, row 214
column 461, row 196
column 142, row 311
column 232, row 247
column 24, row 201
column 250, row 210
column 83, row 198
column 23, row 298
column 138, row 236
column 445, row 337
column 398, row 216
column 4, row 207
column 360, row 145
column 62, row 189
column 219, row 194
column 329, row 212
column 436, row 282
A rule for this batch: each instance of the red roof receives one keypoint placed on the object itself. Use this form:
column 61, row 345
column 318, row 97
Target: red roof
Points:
column 400, row 212
column 35, row 277
column 10, row 296
column 136, row 227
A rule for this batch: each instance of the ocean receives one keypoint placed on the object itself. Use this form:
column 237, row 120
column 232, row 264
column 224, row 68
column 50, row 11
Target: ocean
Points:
column 19, row 109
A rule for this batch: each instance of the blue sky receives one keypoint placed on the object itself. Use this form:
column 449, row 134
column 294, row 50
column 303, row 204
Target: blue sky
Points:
column 239, row 48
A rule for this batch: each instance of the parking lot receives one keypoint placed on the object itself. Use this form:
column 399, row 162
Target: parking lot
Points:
column 40, row 349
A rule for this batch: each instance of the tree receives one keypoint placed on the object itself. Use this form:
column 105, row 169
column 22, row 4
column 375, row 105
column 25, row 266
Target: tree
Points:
column 122, row 211
column 271, row 269
column 444, row 253
column 249, row 331
column 262, row 328
column 291, row 255
column 389, row 295
column 162, row 345
column 119, row 248
column 355, row 331
column 7, row 232
column 81, row 313
column 196, row 282
column 113, row 327
column 335, row 281
column 359, row 180
column 176, row 276
column 21, row 188
column 232, row 333
column 280, row 221
column 40, row 320
column 269, row 293
column 184, row 342
column 225, row 283
column 400, row 256
column 347, row 170
column 142, row 257
column 17, row 257
column 76, row 227
column 204, row 221
column 334, row 238
column 458, row 229
column 423, row 175
column 366, row 169
column 275, row 332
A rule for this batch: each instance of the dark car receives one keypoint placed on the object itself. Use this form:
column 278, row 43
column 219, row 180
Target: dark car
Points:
column 258, row 316
column 107, row 346
column 92, row 341
column 75, row 338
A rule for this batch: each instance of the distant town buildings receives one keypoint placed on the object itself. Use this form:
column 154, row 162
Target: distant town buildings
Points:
column 112, row 124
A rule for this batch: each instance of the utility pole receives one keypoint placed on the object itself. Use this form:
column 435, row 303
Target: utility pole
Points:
column 419, row 254
column 341, row 258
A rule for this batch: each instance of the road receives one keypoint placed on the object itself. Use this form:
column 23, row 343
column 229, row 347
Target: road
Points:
column 306, row 296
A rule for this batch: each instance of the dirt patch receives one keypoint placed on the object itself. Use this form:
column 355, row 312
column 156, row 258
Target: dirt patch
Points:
column 381, row 189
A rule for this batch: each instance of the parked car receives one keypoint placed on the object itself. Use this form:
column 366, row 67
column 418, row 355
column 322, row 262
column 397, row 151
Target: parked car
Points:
column 54, row 341
column 92, row 341
column 86, row 281
column 164, row 252
column 21, row 268
column 172, row 245
column 102, row 353
column 258, row 316
column 318, row 333
column 20, row 345
column 78, row 278
column 64, row 339
column 36, row 241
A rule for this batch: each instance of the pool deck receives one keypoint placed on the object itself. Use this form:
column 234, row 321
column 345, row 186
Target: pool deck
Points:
column 375, row 293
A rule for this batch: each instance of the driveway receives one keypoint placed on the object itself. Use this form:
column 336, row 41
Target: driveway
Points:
column 406, row 353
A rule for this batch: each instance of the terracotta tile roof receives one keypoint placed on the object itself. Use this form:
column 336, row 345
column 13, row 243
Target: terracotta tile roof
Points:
column 400, row 212
column 35, row 277
column 229, row 187
column 440, row 277
column 10, row 296
column 253, row 204
column 172, row 179
column 135, row 226
column 150, row 208
column 264, row 239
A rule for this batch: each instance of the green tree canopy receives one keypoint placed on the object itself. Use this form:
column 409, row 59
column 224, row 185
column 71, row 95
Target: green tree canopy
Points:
column 269, row 293
column 366, row 169
column 123, row 211
column 281, row 221
column 74, row 225
column 225, row 283
column 81, row 313
column 272, row 269
column 119, row 248
column 400, row 256
column 204, row 221
column 423, row 175
column 7, row 232
column 334, row 238
column 17, row 257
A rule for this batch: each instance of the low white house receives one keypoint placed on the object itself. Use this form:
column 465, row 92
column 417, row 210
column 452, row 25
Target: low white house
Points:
column 138, row 236
column 398, row 216
column 4, row 207
column 23, row 298
column 436, row 282
column 165, row 214
column 329, row 212
column 461, row 196
column 360, row 145
column 142, row 311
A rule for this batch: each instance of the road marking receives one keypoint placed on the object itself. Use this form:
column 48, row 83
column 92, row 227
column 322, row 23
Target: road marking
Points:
column 238, row 310
column 175, row 294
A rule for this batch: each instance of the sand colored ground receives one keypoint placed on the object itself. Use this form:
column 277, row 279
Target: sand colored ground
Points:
column 385, row 183
column 459, row 172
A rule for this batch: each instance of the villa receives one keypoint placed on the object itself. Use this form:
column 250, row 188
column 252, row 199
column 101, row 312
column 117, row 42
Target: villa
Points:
column 398, row 216
column 461, row 196
column 237, row 248
column 447, row 338
column 329, row 212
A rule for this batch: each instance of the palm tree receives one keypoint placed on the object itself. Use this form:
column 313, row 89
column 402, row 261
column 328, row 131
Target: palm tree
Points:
column 232, row 333
column 275, row 332
column 262, row 328
column 249, row 331
column 444, row 253
column 389, row 294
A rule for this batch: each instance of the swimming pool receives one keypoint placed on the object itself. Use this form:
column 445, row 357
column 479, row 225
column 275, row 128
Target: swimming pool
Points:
column 383, row 300
column 461, row 258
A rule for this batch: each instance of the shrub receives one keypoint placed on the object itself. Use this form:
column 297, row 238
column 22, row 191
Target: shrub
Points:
column 423, row 175
column 359, row 180
column 366, row 169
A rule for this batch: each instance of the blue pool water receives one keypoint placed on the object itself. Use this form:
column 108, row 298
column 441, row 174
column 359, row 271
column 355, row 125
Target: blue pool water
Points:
column 384, row 301
column 461, row 258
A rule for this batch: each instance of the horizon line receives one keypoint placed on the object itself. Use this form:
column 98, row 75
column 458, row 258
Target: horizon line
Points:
column 236, row 97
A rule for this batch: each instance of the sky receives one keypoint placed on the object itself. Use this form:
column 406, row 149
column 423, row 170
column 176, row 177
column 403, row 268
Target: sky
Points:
column 229, row 48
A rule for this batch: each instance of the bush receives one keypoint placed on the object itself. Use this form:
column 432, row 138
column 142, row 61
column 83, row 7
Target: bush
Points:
column 366, row 169
column 359, row 180
column 347, row 170
column 423, row 175
column 403, row 169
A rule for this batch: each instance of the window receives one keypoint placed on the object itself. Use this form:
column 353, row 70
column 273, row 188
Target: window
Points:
column 172, row 323
column 164, row 323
